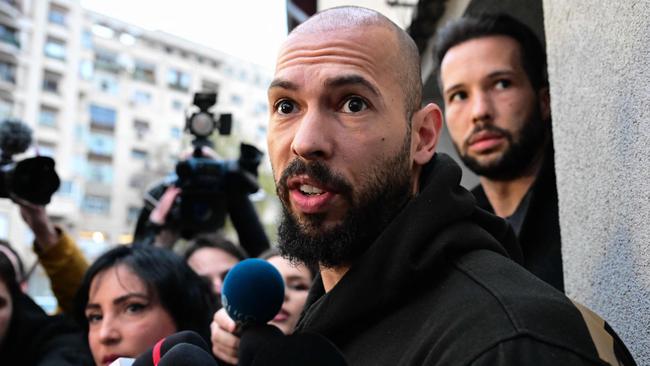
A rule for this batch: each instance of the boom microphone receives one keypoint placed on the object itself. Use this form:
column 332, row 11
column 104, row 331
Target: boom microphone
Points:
column 252, row 292
column 156, row 355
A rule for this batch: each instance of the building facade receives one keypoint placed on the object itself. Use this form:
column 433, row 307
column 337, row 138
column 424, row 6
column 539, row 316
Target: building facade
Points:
column 107, row 100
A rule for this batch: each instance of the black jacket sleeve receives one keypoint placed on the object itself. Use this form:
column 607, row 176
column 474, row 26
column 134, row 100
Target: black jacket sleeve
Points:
column 532, row 352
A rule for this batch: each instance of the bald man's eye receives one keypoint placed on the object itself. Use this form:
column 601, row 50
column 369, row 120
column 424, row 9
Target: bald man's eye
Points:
column 285, row 107
column 354, row 104
column 502, row 84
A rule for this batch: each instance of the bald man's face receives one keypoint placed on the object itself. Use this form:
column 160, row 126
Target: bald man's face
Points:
column 338, row 137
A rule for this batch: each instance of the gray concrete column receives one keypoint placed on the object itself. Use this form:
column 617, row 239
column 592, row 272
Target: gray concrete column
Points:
column 599, row 68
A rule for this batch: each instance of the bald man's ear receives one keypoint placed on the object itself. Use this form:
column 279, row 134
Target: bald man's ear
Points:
column 425, row 131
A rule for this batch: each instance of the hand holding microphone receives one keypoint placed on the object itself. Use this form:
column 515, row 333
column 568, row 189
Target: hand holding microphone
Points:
column 252, row 294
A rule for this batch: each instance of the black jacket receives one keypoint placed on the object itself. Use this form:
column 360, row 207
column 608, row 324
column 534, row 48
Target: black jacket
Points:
column 540, row 231
column 35, row 338
column 437, row 288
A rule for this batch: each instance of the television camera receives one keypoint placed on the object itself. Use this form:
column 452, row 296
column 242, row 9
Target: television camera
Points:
column 209, row 186
column 32, row 179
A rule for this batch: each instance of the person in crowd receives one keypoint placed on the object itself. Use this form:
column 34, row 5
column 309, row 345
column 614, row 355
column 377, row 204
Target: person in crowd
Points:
column 131, row 297
column 297, row 282
column 411, row 271
column 28, row 336
column 492, row 74
column 57, row 252
column 212, row 256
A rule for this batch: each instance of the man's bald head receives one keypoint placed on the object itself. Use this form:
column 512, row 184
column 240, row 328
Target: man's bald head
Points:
column 406, row 59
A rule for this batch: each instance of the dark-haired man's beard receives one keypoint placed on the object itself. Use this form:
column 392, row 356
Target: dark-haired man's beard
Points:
column 523, row 148
column 371, row 208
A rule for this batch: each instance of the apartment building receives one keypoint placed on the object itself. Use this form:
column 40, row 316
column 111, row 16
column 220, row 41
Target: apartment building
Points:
column 107, row 100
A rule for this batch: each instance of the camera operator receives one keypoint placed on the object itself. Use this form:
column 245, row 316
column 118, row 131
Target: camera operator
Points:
column 205, row 190
column 30, row 183
column 57, row 252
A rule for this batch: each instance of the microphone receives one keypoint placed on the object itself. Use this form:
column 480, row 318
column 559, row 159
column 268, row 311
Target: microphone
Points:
column 252, row 292
column 155, row 355
column 186, row 354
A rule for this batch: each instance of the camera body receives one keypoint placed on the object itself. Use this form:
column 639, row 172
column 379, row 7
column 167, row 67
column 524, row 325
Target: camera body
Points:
column 208, row 185
column 32, row 179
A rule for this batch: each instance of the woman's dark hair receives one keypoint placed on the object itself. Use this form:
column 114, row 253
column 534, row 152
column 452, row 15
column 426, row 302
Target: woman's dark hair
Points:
column 14, row 261
column 472, row 27
column 275, row 252
column 8, row 273
column 215, row 241
column 186, row 296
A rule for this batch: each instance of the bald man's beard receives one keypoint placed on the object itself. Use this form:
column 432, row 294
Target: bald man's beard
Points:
column 371, row 209
column 517, row 159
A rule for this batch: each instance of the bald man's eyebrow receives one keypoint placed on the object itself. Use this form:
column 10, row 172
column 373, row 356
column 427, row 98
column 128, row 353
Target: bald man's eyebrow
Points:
column 347, row 80
column 283, row 84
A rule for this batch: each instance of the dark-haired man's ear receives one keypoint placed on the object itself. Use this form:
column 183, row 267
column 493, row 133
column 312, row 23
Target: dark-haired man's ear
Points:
column 425, row 131
column 544, row 97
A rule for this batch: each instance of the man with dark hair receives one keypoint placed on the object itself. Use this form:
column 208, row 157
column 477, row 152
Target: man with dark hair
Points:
column 492, row 75
column 411, row 271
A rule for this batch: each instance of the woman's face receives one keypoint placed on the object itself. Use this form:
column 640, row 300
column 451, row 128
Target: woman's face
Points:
column 124, row 319
column 6, row 309
column 297, row 280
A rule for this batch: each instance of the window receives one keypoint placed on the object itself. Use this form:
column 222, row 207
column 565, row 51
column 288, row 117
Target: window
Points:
column 9, row 35
column 102, row 116
column 177, row 105
column 47, row 116
column 144, row 71
column 107, row 84
column 236, row 99
column 87, row 39
column 5, row 108
column 101, row 144
column 99, row 172
column 141, row 97
column 139, row 154
column 51, row 81
column 141, row 128
column 86, row 69
column 176, row 132
column 127, row 39
column 132, row 214
column 46, row 149
column 7, row 72
column 55, row 48
column 66, row 187
column 4, row 226
column 106, row 60
column 178, row 80
column 96, row 204
column 57, row 15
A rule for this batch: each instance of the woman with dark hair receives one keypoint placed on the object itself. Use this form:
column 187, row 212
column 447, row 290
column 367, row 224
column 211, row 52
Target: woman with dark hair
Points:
column 132, row 297
column 28, row 336
column 297, row 281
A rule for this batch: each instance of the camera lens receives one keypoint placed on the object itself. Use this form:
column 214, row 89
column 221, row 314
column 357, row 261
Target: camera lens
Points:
column 202, row 124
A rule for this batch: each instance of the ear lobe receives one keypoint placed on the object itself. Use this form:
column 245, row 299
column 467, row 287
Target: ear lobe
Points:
column 544, row 97
column 426, row 126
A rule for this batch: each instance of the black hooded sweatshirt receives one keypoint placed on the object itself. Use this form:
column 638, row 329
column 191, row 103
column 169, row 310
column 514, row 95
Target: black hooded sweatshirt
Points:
column 437, row 288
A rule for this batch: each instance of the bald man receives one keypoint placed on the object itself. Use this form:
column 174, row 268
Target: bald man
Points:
column 411, row 272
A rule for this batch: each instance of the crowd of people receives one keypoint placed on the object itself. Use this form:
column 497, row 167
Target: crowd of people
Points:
column 382, row 253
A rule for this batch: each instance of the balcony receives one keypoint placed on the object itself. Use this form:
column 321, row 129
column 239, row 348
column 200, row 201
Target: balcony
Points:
column 10, row 8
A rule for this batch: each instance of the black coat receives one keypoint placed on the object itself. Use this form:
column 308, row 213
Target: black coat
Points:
column 437, row 288
column 35, row 338
column 540, row 231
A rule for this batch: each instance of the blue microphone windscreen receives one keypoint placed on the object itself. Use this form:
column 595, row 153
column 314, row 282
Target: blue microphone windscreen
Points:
column 252, row 292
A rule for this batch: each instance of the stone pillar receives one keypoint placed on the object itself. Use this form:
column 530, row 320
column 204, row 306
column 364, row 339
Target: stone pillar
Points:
column 599, row 69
